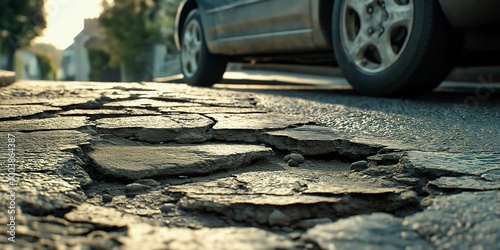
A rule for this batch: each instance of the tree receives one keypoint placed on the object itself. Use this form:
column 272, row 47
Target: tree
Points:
column 131, row 27
column 47, row 66
column 171, row 9
column 170, row 13
column 20, row 23
column 49, row 49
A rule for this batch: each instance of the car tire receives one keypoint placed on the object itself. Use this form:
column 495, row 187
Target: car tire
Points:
column 393, row 48
column 199, row 66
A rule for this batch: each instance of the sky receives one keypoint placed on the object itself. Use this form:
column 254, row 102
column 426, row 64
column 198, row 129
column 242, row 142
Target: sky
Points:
column 65, row 20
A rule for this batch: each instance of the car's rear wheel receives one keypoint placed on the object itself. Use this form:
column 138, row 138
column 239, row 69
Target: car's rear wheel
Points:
column 199, row 66
column 393, row 47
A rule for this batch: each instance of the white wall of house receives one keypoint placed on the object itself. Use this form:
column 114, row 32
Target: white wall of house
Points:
column 27, row 66
column 160, row 53
column 68, row 64
column 76, row 63
column 82, row 62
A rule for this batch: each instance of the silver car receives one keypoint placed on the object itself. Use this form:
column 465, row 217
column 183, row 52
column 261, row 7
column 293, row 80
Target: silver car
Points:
column 383, row 47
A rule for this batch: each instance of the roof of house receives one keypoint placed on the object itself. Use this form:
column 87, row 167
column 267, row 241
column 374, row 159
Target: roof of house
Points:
column 91, row 33
column 91, row 27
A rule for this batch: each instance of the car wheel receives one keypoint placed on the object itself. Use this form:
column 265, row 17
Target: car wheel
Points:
column 393, row 47
column 199, row 66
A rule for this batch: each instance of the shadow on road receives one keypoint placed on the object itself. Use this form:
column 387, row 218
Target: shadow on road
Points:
column 337, row 90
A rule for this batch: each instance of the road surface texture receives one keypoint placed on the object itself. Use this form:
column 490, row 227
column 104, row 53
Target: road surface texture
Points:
column 248, row 166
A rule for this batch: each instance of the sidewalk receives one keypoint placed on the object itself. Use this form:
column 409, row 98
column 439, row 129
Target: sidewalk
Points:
column 470, row 74
column 270, row 74
column 268, row 77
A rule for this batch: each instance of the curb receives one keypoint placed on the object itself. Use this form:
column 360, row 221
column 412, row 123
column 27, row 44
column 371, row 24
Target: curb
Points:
column 7, row 78
column 300, row 69
column 180, row 80
column 476, row 74
column 465, row 74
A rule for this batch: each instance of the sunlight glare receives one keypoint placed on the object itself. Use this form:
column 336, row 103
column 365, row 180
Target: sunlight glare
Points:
column 65, row 20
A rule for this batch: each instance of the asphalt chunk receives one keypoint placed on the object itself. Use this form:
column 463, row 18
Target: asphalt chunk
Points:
column 138, row 162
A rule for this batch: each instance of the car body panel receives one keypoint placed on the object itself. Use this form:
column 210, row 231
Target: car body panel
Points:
column 266, row 28
column 262, row 26
column 471, row 13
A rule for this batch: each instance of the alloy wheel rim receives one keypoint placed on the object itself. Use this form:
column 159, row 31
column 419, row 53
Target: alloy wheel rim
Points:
column 375, row 33
column 191, row 48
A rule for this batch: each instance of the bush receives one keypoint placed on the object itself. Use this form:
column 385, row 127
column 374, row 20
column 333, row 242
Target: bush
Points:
column 131, row 28
column 99, row 62
column 47, row 67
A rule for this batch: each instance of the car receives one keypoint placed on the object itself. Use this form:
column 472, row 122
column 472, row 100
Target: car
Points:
column 393, row 48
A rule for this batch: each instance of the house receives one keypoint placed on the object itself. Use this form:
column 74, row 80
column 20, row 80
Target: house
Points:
column 68, row 64
column 75, row 63
column 27, row 65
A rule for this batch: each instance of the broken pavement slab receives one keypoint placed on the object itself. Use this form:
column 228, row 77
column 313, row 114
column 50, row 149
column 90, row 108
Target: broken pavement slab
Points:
column 252, row 196
column 438, row 164
column 18, row 111
column 55, row 123
column 259, row 208
column 65, row 102
column 46, row 183
column 469, row 220
column 142, row 233
column 212, row 110
column 465, row 183
column 149, row 103
column 137, row 162
column 183, row 128
column 109, row 112
column 47, row 141
column 318, row 140
column 228, row 238
column 248, row 127
column 377, row 231
column 211, row 97
column 43, row 194
column 102, row 216
column 49, row 180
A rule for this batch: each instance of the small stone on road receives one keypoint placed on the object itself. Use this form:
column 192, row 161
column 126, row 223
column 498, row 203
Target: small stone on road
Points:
column 359, row 166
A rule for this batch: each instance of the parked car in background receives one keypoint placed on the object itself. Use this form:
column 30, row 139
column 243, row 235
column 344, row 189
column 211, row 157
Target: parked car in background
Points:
column 383, row 47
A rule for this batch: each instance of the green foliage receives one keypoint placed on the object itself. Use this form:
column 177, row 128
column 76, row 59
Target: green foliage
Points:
column 99, row 62
column 171, row 7
column 47, row 66
column 19, row 66
column 20, row 22
column 49, row 49
column 130, row 28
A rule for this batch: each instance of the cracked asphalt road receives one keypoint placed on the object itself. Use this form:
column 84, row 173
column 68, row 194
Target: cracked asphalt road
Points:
column 457, row 117
column 167, row 166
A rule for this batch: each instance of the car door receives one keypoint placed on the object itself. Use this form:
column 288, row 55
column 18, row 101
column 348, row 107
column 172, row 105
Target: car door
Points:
column 261, row 26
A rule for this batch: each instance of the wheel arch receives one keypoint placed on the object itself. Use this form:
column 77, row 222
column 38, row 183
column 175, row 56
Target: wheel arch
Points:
column 325, row 13
column 183, row 11
column 471, row 13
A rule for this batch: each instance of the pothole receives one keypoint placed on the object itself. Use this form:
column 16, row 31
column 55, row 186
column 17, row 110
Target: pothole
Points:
column 267, row 194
